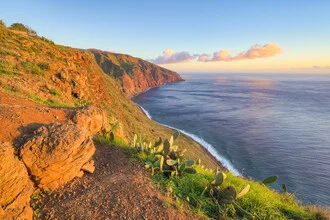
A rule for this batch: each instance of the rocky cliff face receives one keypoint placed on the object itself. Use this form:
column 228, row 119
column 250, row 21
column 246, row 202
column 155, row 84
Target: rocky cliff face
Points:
column 134, row 74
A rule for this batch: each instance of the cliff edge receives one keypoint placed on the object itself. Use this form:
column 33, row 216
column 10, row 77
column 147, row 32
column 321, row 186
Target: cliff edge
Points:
column 134, row 74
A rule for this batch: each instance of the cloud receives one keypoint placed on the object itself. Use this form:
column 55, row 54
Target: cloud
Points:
column 256, row 51
column 169, row 56
column 203, row 57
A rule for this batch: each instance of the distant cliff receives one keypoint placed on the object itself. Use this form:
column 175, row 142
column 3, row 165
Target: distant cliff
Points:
column 134, row 74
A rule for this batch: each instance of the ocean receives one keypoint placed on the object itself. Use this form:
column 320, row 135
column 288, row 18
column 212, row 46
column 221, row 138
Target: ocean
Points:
column 257, row 125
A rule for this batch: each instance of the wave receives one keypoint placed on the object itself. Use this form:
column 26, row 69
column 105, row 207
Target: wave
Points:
column 145, row 112
column 203, row 143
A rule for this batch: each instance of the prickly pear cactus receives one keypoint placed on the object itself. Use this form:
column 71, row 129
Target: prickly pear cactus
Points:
column 226, row 195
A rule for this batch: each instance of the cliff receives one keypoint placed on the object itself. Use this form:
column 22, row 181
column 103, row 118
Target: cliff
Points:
column 134, row 74
column 41, row 85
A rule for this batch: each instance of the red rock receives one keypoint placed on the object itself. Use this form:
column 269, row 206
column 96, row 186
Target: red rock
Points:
column 56, row 154
column 92, row 118
column 15, row 186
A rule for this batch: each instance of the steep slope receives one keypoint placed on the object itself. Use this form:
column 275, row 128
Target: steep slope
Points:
column 37, row 69
column 134, row 74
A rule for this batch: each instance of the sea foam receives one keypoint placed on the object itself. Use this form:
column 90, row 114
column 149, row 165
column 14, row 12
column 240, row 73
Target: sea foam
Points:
column 206, row 145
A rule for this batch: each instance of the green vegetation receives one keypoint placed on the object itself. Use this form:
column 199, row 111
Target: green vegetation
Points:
column 23, row 28
column 128, row 67
column 7, row 68
column 164, row 157
column 109, row 137
column 50, row 102
column 55, row 92
column 80, row 102
column 37, row 201
column 2, row 23
column 116, row 141
column 44, row 66
column 47, row 40
column 32, row 68
column 19, row 27
column 216, row 194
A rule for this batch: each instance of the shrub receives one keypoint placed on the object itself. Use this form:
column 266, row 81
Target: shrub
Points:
column 218, row 195
column 55, row 92
column 7, row 68
column 47, row 40
column 19, row 27
column 23, row 28
column 32, row 68
column 43, row 66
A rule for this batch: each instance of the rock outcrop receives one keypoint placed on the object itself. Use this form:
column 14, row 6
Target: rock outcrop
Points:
column 92, row 118
column 15, row 186
column 57, row 153
column 134, row 74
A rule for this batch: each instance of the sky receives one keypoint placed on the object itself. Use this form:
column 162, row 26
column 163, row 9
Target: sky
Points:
column 188, row 35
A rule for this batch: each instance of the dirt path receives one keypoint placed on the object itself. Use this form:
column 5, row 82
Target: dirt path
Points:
column 117, row 189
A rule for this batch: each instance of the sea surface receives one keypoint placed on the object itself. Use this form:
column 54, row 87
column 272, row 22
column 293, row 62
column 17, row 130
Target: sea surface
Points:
column 256, row 124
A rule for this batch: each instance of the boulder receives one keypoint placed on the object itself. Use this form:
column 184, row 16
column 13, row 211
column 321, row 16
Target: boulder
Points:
column 57, row 153
column 92, row 118
column 15, row 186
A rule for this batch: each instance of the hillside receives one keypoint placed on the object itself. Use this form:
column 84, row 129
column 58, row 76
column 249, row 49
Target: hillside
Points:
column 37, row 69
column 57, row 105
column 134, row 74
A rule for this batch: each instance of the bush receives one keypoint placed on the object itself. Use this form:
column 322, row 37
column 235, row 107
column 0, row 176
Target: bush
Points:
column 7, row 68
column 55, row 92
column 32, row 68
column 43, row 66
column 47, row 40
column 215, row 194
column 19, row 27
column 23, row 28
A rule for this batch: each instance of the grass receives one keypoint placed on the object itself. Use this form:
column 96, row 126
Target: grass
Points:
column 37, row 201
column 51, row 103
column 117, row 141
column 5, row 52
column 261, row 202
column 80, row 102
column 7, row 68
column 8, row 89
column 55, row 92
column 32, row 68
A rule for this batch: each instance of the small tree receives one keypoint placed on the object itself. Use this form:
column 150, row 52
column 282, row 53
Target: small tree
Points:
column 25, row 28
column 19, row 27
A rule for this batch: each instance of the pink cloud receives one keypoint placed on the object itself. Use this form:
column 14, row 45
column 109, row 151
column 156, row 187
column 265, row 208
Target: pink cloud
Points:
column 256, row 51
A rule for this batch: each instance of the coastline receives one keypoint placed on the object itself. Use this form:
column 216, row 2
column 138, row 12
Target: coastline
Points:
column 206, row 147
column 146, row 90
